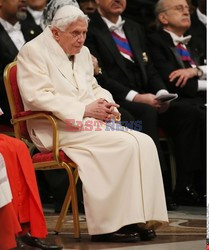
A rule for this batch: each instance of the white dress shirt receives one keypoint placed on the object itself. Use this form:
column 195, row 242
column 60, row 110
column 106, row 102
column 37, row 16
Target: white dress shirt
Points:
column 36, row 14
column 14, row 32
column 202, row 17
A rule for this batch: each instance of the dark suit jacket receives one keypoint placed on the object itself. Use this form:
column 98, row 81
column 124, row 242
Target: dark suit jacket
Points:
column 166, row 60
column 8, row 52
column 198, row 40
column 101, row 44
column 30, row 22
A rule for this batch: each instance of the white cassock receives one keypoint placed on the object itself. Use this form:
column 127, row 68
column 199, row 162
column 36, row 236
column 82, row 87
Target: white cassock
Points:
column 120, row 170
column 5, row 190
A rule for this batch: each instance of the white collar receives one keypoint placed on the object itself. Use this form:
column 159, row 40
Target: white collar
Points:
column 113, row 26
column 37, row 15
column 9, row 27
column 178, row 39
column 202, row 17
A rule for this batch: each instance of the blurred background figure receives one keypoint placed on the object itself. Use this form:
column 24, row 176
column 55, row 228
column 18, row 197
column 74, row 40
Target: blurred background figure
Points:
column 35, row 10
column 87, row 6
column 173, row 58
column 14, row 32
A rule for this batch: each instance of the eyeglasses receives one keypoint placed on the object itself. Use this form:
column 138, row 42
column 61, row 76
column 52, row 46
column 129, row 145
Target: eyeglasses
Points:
column 78, row 35
column 180, row 8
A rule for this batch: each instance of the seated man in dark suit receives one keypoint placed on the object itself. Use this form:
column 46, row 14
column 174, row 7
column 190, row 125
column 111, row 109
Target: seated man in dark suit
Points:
column 119, row 46
column 178, row 68
column 170, row 53
column 13, row 34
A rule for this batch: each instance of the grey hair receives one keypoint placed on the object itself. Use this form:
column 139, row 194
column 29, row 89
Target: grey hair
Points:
column 159, row 7
column 62, row 23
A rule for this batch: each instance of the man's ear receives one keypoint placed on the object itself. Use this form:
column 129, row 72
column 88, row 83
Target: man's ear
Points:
column 162, row 18
column 56, row 33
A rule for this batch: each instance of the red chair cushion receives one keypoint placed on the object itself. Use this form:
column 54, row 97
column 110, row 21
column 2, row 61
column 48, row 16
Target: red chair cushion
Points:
column 43, row 157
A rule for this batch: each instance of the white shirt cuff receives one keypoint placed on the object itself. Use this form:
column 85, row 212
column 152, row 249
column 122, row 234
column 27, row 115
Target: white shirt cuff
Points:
column 204, row 70
column 202, row 85
column 130, row 96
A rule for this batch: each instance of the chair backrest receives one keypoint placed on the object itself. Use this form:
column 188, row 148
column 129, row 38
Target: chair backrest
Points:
column 15, row 100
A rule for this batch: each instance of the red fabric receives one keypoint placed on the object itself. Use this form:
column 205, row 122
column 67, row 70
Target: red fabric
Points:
column 17, row 99
column 9, row 227
column 42, row 157
column 26, row 201
column 28, row 112
column 15, row 90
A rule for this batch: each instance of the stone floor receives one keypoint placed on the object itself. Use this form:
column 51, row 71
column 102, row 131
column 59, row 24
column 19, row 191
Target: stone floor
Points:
column 186, row 231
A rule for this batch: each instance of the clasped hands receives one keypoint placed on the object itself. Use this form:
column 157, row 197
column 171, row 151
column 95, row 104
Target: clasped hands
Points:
column 102, row 110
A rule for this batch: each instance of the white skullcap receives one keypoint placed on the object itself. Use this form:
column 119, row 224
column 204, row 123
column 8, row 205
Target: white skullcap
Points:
column 68, row 11
column 51, row 9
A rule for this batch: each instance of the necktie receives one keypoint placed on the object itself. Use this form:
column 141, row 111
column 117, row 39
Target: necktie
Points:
column 184, row 54
column 119, row 26
column 183, row 40
column 122, row 44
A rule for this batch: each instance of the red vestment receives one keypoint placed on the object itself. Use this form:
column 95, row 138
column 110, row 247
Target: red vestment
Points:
column 26, row 205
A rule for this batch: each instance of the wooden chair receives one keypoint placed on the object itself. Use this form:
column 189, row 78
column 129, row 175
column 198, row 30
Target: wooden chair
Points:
column 43, row 161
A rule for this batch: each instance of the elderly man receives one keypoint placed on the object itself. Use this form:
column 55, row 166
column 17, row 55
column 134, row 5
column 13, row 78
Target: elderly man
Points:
column 182, row 74
column 119, row 168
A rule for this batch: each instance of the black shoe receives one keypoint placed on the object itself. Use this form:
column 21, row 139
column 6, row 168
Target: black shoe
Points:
column 145, row 234
column 35, row 242
column 171, row 204
column 122, row 235
column 20, row 244
column 188, row 197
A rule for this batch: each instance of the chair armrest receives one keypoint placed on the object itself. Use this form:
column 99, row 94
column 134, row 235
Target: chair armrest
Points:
column 29, row 115
column 29, row 112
